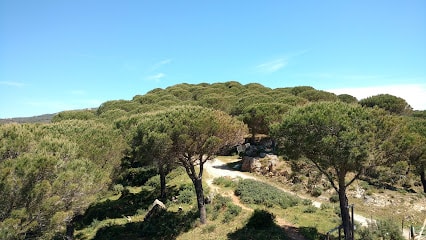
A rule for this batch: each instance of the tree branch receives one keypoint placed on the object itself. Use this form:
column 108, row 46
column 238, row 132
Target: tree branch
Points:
column 354, row 178
column 329, row 177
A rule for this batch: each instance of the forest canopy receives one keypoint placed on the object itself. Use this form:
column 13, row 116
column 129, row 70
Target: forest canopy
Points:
column 52, row 172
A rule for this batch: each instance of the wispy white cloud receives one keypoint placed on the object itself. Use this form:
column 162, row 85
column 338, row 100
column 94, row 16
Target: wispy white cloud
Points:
column 414, row 94
column 160, row 64
column 272, row 66
column 279, row 63
column 12, row 83
column 156, row 77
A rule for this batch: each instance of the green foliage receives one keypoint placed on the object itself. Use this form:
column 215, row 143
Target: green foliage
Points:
column 419, row 114
column 388, row 102
column 310, row 209
column 254, row 192
column 231, row 212
column 260, row 116
column 124, row 105
column 338, row 138
column 316, row 192
column 225, row 182
column 221, row 204
column 153, row 181
column 300, row 89
column 310, row 233
column 136, row 176
column 384, row 229
column 74, row 115
column 186, row 196
column 346, row 98
column 339, row 131
column 318, row 95
column 49, row 174
column 334, row 198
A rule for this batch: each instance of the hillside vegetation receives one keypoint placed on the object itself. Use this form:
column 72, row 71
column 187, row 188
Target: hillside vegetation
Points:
column 93, row 174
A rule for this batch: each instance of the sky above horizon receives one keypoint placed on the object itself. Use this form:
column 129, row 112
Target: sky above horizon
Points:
column 64, row 55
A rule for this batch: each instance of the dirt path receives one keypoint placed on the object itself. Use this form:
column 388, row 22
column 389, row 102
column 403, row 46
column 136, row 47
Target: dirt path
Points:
column 217, row 168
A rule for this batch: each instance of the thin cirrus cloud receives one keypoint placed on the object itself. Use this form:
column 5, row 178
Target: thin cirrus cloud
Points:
column 279, row 63
column 12, row 83
column 272, row 66
column 156, row 77
column 160, row 64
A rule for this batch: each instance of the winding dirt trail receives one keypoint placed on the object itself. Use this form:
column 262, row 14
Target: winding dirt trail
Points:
column 217, row 168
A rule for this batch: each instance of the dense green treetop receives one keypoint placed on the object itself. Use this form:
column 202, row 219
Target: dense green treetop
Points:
column 336, row 137
column 388, row 102
column 347, row 98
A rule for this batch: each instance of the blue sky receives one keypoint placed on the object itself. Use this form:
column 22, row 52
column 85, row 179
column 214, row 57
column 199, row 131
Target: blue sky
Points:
column 58, row 55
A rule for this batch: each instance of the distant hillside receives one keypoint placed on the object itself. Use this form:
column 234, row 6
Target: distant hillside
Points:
column 45, row 118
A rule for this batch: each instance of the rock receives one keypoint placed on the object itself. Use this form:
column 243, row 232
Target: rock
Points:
column 247, row 164
column 157, row 207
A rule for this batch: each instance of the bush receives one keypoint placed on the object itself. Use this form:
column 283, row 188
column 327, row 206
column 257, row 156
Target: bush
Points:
column 117, row 188
column 310, row 209
column 254, row 192
column 209, row 228
column 231, row 212
column 186, row 196
column 385, row 229
column 153, row 182
column 137, row 176
column 307, row 202
column 316, row 192
column 225, row 182
column 310, row 233
column 334, row 198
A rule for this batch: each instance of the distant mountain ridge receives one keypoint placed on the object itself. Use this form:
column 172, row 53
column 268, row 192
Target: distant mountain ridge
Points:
column 45, row 118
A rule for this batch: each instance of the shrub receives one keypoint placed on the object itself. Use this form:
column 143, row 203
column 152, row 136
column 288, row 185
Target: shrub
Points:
column 316, row 192
column 310, row 233
column 153, row 182
column 117, row 188
column 385, row 229
column 186, row 196
column 225, row 182
column 231, row 212
column 310, row 209
column 179, row 171
column 209, row 228
column 254, row 192
column 137, row 176
column 307, row 202
column 334, row 198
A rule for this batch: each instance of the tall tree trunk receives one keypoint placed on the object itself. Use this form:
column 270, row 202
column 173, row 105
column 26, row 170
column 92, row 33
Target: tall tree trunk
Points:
column 423, row 179
column 162, row 173
column 344, row 210
column 198, row 183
